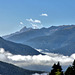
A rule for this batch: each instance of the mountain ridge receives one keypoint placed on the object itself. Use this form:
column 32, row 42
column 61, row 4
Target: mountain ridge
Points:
column 24, row 36
column 17, row 48
column 53, row 38
column 60, row 39
column 10, row 69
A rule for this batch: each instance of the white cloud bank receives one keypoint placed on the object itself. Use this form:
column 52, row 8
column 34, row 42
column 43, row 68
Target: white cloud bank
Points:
column 43, row 60
column 44, row 15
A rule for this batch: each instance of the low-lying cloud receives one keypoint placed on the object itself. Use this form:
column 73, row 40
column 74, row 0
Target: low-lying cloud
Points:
column 36, row 60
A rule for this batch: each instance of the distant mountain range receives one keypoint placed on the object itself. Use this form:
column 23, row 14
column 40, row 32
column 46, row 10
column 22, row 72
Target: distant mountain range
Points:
column 16, row 48
column 24, row 29
column 62, row 41
column 56, row 39
column 28, row 33
column 9, row 69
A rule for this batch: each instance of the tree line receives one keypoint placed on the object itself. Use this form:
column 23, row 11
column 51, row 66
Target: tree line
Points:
column 57, row 70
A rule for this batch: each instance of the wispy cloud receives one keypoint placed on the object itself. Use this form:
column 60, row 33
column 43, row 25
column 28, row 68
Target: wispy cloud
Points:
column 35, row 26
column 21, row 23
column 33, row 21
column 44, row 15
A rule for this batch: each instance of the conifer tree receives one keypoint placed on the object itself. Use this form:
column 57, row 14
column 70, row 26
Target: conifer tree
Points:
column 71, row 69
column 53, row 70
column 74, row 66
column 57, row 70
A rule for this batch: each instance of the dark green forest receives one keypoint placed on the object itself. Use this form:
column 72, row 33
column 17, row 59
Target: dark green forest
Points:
column 57, row 69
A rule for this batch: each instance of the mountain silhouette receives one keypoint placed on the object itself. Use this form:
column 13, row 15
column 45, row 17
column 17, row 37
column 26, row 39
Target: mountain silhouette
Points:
column 16, row 48
column 9, row 69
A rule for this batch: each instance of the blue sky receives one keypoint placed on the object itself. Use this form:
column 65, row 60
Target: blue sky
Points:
column 14, row 14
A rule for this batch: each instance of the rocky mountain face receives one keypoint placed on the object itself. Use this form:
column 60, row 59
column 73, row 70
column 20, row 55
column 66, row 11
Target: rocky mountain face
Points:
column 24, row 35
column 61, row 41
column 56, row 39
column 24, row 29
